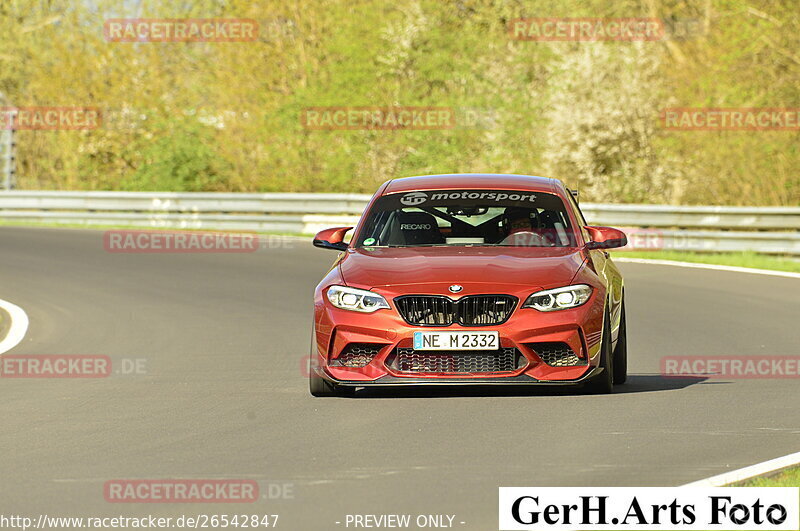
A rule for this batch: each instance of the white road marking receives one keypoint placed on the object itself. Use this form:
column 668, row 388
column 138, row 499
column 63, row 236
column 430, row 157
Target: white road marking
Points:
column 694, row 265
column 19, row 326
column 735, row 476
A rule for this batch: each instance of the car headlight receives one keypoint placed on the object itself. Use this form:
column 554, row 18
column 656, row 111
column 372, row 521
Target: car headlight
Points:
column 551, row 300
column 358, row 300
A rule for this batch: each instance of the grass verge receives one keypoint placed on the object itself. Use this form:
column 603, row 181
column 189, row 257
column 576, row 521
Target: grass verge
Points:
column 751, row 260
column 787, row 478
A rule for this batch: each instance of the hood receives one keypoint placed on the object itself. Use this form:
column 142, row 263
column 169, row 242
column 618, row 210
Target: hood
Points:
column 525, row 266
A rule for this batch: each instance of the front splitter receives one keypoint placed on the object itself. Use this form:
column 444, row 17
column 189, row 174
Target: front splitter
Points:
column 522, row 379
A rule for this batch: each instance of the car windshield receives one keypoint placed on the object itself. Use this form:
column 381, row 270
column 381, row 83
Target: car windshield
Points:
column 467, row 218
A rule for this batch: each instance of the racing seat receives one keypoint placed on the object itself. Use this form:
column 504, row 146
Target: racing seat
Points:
column 415, row 228
column 552, row 231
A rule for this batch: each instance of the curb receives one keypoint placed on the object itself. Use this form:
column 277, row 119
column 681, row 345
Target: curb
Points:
column 17, row 326
column 750, row 472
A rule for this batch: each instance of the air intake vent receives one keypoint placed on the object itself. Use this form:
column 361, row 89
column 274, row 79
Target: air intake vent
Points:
column 426, row 310
column 456, row 361
column 556, row 354
column 473, row 310
column 479, row 310
column 357, row 355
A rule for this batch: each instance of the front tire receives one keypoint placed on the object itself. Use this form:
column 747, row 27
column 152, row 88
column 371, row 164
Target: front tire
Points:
column 320, row 387
column 621, row 351
column 603, row 384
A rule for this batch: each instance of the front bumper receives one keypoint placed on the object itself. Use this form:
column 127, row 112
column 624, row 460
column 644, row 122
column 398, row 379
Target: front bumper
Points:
column 522, row 379
column 579, row 328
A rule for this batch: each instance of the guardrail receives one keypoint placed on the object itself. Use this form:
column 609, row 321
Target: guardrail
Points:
column 774, row 230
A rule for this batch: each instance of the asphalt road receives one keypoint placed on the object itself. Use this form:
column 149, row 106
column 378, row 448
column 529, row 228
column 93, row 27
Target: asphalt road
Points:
column 223, row 393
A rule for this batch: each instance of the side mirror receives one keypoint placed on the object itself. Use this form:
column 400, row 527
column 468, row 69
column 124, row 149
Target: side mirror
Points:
column 332, row 238
column 606, row 238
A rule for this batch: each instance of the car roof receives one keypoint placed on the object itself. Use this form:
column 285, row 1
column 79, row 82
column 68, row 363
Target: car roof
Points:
column 479, row 181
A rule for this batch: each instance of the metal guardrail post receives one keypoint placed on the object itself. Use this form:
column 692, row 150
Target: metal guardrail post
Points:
column 10, row 165
column 8, row 168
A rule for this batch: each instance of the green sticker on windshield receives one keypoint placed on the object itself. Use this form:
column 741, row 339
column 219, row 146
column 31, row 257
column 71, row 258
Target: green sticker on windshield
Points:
column 369, row 241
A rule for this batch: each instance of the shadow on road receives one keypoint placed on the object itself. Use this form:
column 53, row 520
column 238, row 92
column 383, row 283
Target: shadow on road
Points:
column 642, row 383
column 637, row 383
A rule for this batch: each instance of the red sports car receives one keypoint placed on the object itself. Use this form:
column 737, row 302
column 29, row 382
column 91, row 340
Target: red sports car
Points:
column 470, row 279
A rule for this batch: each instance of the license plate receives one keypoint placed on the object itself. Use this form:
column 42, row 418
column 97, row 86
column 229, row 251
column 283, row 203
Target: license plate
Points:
column 456, row 340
